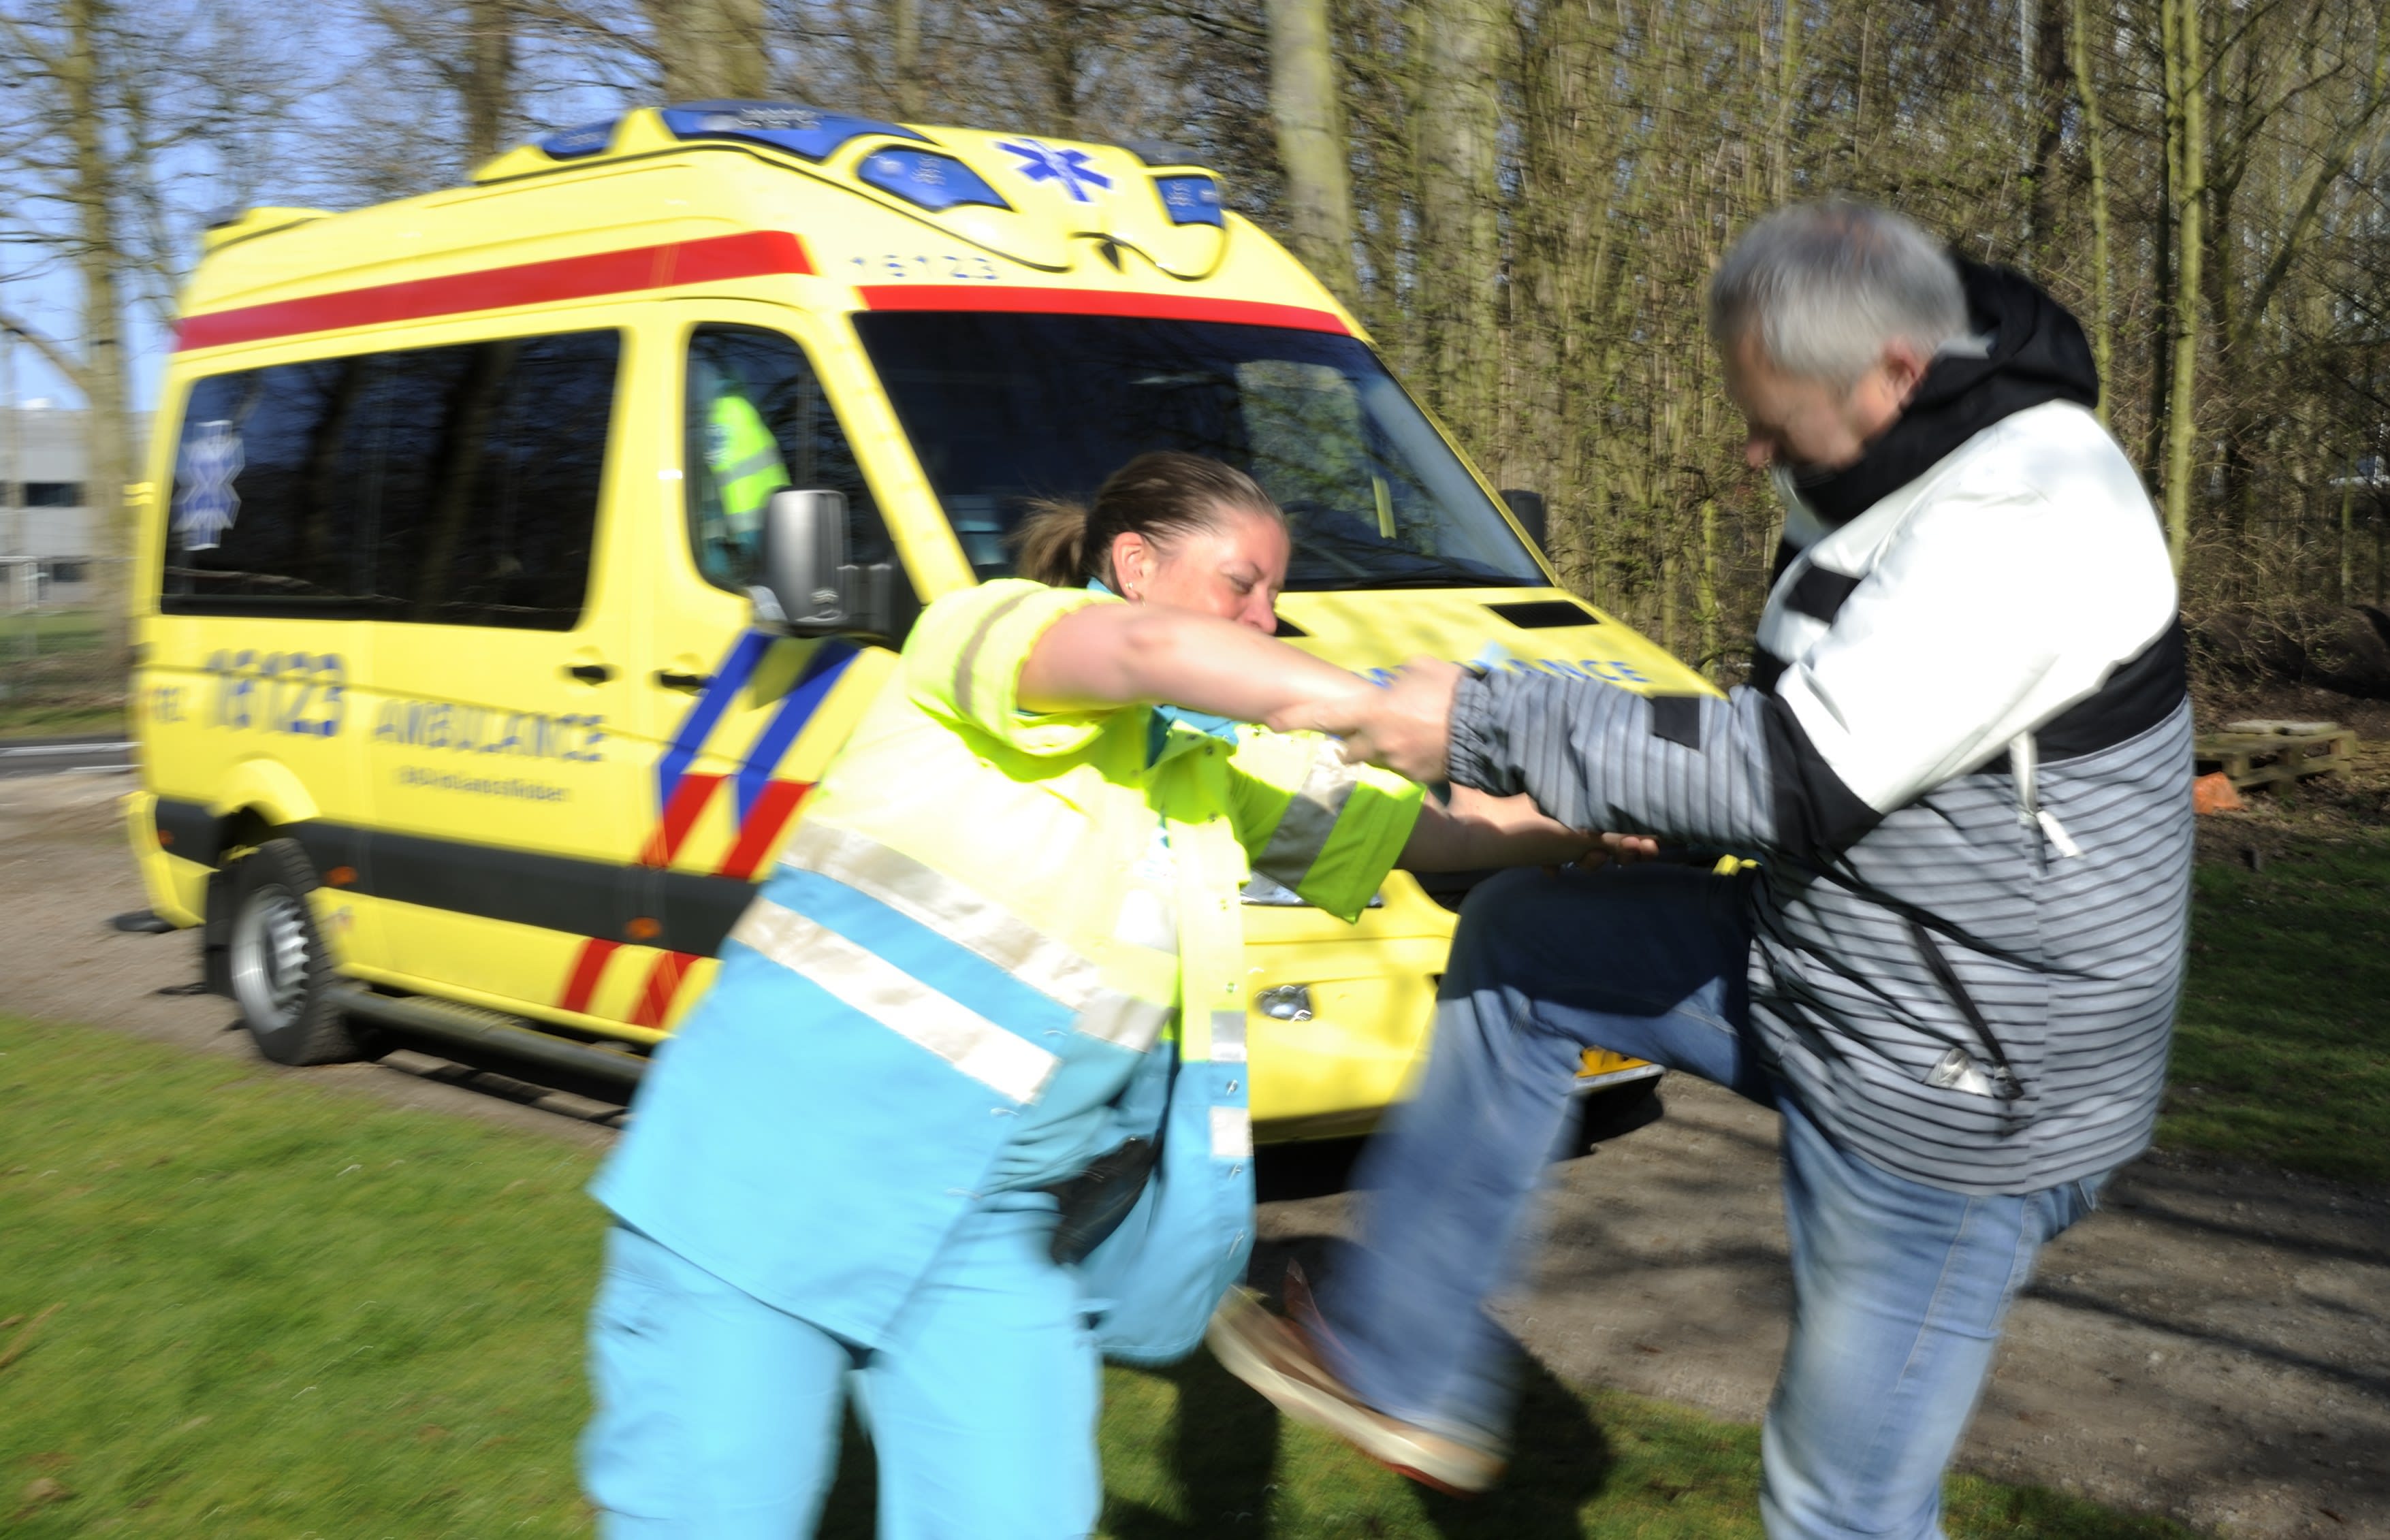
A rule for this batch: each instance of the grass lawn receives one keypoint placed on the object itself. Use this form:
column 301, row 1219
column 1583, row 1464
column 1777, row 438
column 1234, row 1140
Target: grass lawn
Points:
column 53, row 630
column 2278, row 1058
column 60, row 719
column 234, row 1305
column 50, row 665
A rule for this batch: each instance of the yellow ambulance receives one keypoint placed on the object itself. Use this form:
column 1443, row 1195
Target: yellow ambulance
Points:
column 514, row 558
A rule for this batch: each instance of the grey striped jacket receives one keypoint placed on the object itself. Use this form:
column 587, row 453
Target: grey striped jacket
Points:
column 1965, row 763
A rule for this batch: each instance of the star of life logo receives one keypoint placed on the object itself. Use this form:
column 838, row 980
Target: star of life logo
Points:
column 207, row 505
column 1071, row 170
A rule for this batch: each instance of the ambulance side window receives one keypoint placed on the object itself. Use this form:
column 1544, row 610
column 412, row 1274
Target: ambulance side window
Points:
column 492, row 466
column 452, row 486
column 757, row 420
column 265, row 486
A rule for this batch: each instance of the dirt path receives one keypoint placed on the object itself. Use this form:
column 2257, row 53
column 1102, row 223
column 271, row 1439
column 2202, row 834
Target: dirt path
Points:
column 64, row 870
column 2213, row 1344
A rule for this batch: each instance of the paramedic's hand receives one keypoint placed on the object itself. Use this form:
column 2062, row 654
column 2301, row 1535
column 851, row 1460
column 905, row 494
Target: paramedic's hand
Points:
column 1405, row 726
column 1622, row 849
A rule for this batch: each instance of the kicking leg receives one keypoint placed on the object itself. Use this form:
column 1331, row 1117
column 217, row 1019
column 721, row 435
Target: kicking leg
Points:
column 1646, row 961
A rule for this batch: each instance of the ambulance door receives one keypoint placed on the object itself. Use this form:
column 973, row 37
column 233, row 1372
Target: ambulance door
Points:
column 505, row 793
column 741, row 720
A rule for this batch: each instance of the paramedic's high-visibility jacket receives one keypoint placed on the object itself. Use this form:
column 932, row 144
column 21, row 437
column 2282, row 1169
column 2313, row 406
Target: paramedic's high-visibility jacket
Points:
column 999, row 944
column 744, row 460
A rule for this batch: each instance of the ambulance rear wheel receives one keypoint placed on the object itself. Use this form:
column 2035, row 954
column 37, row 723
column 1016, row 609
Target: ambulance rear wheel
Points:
column 281, row 973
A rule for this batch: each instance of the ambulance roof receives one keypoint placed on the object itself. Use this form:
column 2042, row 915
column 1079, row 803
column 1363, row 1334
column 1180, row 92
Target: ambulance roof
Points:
column 897, row 214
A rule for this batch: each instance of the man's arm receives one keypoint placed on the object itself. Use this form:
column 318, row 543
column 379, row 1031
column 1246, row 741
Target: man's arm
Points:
column 1990, row 616
column 1590, row 755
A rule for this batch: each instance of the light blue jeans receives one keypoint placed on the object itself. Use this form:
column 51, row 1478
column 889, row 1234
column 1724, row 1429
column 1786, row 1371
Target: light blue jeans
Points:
column 1899, row 1289
column 718, row 1416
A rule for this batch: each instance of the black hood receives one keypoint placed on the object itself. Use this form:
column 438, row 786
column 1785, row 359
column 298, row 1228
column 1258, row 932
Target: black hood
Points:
column 2038, row 353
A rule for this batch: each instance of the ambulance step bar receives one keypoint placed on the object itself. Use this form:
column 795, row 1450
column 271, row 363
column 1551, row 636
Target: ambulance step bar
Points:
column 493, row 1032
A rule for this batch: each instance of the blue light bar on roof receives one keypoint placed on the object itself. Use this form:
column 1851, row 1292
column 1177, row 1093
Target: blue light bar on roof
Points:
column 1190, row 199
column 804, row 131
column 932, row 180
column 582, row 139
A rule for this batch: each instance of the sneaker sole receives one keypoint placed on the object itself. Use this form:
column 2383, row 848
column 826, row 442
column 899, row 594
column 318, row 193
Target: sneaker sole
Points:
column 1309, row 1403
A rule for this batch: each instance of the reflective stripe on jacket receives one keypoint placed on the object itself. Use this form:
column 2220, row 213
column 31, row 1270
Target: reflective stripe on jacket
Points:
column 964, row 978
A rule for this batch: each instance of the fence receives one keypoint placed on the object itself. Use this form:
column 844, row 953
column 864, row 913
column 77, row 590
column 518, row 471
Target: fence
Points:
column 58, row 671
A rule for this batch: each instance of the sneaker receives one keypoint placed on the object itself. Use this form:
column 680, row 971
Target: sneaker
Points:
column 1275, row 1358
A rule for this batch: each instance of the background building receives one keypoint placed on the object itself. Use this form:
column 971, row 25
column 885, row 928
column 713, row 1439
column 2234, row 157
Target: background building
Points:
column 52, row 537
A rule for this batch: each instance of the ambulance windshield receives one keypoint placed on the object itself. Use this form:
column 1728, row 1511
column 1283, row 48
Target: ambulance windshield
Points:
column 1005, row 408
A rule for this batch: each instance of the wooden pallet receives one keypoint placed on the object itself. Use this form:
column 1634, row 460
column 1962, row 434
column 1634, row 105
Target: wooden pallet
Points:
column 2264, row 751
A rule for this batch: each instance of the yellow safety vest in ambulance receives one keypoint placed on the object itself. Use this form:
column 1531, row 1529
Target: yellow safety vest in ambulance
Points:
column 744, row 462
column 963, row 981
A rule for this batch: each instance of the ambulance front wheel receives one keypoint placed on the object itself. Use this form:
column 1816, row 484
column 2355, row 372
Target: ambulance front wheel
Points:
column 282, row 975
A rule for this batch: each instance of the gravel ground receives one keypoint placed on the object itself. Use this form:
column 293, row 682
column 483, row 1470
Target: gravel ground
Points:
column 2213, row 1344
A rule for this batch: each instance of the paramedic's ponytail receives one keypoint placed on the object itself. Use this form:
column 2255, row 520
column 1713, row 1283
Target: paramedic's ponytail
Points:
column 1161, row 495
column 1051, row 542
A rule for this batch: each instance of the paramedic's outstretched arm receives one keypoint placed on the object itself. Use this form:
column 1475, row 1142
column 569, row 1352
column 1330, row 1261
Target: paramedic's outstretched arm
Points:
column 1474, row 831
column 1105, row 655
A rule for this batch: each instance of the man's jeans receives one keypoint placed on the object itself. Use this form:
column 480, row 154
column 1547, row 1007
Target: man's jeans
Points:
column 1899, row 1288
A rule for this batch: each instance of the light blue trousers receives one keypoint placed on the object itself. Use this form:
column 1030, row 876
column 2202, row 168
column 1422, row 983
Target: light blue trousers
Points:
column 718, row 1416
column 1899, row 1289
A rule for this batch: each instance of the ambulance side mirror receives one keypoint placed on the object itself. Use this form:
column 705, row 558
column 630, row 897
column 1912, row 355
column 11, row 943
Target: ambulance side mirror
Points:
column 804, row 557
column 1528, row 508
column 808, row 582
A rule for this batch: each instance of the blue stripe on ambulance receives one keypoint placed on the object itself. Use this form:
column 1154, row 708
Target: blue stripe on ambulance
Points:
column 821, row 674
column 727, row 681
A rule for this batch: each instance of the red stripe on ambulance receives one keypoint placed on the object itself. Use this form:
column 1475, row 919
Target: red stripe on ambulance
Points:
column 588, row 970
column 663, row 984
column 713, row 259
column 770, row 815
column 688, row 799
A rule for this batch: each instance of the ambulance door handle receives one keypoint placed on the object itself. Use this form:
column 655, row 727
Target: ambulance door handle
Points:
column 590, row 673
column 680, row 679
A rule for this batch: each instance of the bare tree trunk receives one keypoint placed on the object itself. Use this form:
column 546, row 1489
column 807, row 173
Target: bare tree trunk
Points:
column 1788, row 91
column 487, row 82
column 709, row 48
column 2186, row 117
column 2103, row 275
column 2049, row 83
column 99, row 258
column 1306, row 98
column 1459, row 249
column 1706, row 590
column 2341, row 588
column 904, row 38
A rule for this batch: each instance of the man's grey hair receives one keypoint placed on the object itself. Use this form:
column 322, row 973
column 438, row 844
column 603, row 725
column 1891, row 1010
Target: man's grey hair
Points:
column 1825, row 285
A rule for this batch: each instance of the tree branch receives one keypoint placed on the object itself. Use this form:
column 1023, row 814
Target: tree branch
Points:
column 57, row 356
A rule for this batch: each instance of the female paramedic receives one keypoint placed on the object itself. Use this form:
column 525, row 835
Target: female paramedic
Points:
column 965, row 1106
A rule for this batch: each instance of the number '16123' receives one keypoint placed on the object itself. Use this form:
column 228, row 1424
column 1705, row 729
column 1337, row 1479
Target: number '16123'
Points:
column 304, row 693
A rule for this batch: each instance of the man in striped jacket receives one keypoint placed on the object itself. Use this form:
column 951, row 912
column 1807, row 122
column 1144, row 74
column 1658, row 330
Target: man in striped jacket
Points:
column 1963, row 761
